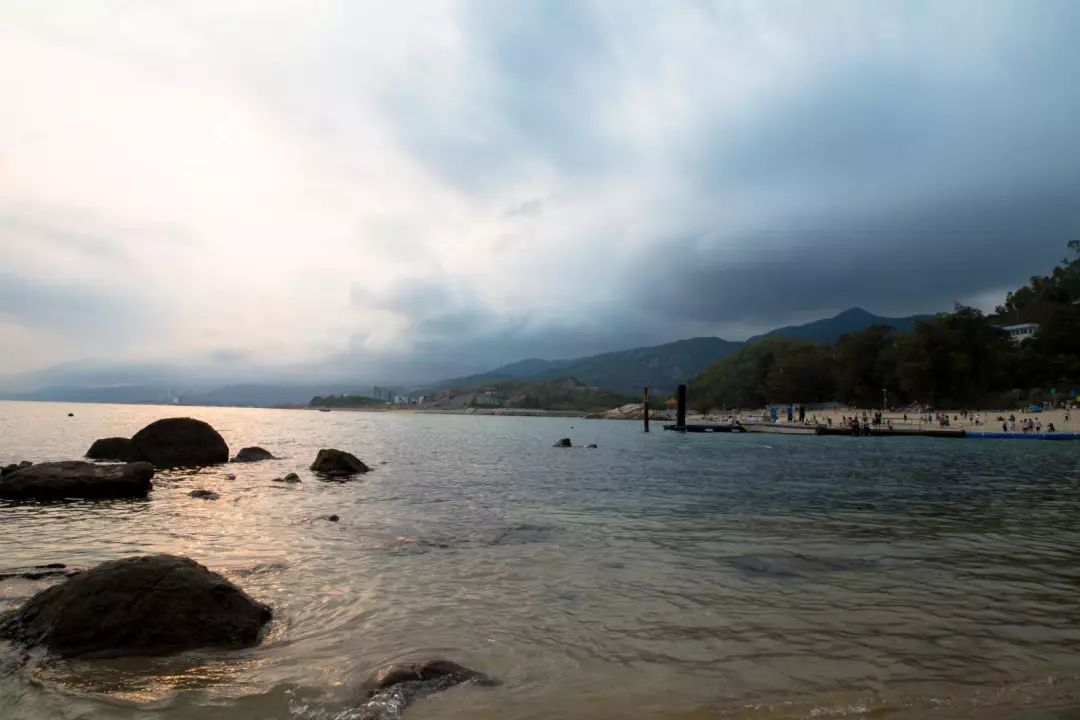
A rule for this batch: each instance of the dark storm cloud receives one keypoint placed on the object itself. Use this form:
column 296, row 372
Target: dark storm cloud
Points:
column 922, row 260
column 896, row 184
column 902, row 177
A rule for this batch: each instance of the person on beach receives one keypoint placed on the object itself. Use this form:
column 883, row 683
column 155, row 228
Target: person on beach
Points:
column 1050, row 427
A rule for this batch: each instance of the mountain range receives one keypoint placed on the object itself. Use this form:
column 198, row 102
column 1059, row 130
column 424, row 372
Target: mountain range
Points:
column 661, row 367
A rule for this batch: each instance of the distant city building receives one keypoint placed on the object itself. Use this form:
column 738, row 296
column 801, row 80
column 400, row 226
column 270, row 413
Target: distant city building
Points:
column 1021, row 332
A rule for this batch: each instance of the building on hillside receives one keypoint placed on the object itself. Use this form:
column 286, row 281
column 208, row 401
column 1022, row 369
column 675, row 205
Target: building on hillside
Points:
column 487, row 398
column 1021, row 332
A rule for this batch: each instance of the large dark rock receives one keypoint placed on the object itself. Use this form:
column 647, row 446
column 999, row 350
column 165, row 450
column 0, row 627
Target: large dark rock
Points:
column 150, row 605
column 77, row 479
column 338, row 463
column 252, row 454
column 179, row 442
column 563, row 443
column 114, row 448
column 391, row 689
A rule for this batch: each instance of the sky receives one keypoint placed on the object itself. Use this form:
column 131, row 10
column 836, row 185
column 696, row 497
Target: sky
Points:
column 408, row 191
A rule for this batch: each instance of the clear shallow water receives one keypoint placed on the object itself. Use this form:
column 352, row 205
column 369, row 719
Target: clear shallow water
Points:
column 658, row 576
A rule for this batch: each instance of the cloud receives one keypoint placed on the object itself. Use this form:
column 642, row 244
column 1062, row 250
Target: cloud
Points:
column 433, row 189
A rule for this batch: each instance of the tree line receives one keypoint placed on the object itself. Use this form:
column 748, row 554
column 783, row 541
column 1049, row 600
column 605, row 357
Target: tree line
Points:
column 956, row 359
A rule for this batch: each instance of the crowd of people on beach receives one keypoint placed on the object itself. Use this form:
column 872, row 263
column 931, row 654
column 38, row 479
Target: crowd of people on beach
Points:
column 861, row 422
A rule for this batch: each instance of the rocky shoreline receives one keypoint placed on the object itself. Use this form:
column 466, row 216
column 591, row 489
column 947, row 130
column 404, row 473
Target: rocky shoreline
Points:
column 162, row 604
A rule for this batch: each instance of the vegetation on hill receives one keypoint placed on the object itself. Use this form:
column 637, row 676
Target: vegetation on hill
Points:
column 662, row 367
column 954, row 359
column 557, row 394
column 344, row 401
column 830, row 330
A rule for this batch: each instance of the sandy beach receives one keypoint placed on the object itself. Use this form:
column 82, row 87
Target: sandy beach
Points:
column 989, row 420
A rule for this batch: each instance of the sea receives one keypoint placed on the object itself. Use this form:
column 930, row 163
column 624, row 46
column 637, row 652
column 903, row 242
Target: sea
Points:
column 656, row 576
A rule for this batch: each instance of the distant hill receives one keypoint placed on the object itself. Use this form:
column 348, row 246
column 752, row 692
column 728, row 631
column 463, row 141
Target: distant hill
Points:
column 831, row 329
column 661, row 367
column 563, row 393
column 345, row 401
column 124, row 394
column 267, row 394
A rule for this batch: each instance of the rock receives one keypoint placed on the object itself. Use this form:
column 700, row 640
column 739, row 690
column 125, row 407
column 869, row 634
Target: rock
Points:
column 332, row 518
column 77, row 479
column 565, row 442
column 290, row 478
column 252, row 454
column 337, row 463
column 149, row 605
column 592, row 445
column 13, row 467
column 114, row 448
column 230, row 476
column 204, row 494
column 392, row 688
column 179, row 442
column 71, row 414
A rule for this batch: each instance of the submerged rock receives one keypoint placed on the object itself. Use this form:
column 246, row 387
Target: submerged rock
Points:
column 253, row 454
column 390, row 690
column 204, row 494
column 179, row 442
column 38, row 572
column 114, row 448
column 592, row 445
column 149, row 605
column 564, row 442
column 290, row 478
column 332, row 518
column 338, row 463
column 77, row 479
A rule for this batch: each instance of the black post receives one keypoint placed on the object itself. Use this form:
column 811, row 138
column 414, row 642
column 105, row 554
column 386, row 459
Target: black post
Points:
column 680, row 408
column 645, row 406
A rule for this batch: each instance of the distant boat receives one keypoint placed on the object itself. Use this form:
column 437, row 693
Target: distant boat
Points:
column 324, row 409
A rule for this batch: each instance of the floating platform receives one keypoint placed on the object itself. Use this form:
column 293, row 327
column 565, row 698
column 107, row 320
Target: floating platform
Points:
column 895, row 432
column 706, row 428
column 1023, row 435
column 773, row 429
